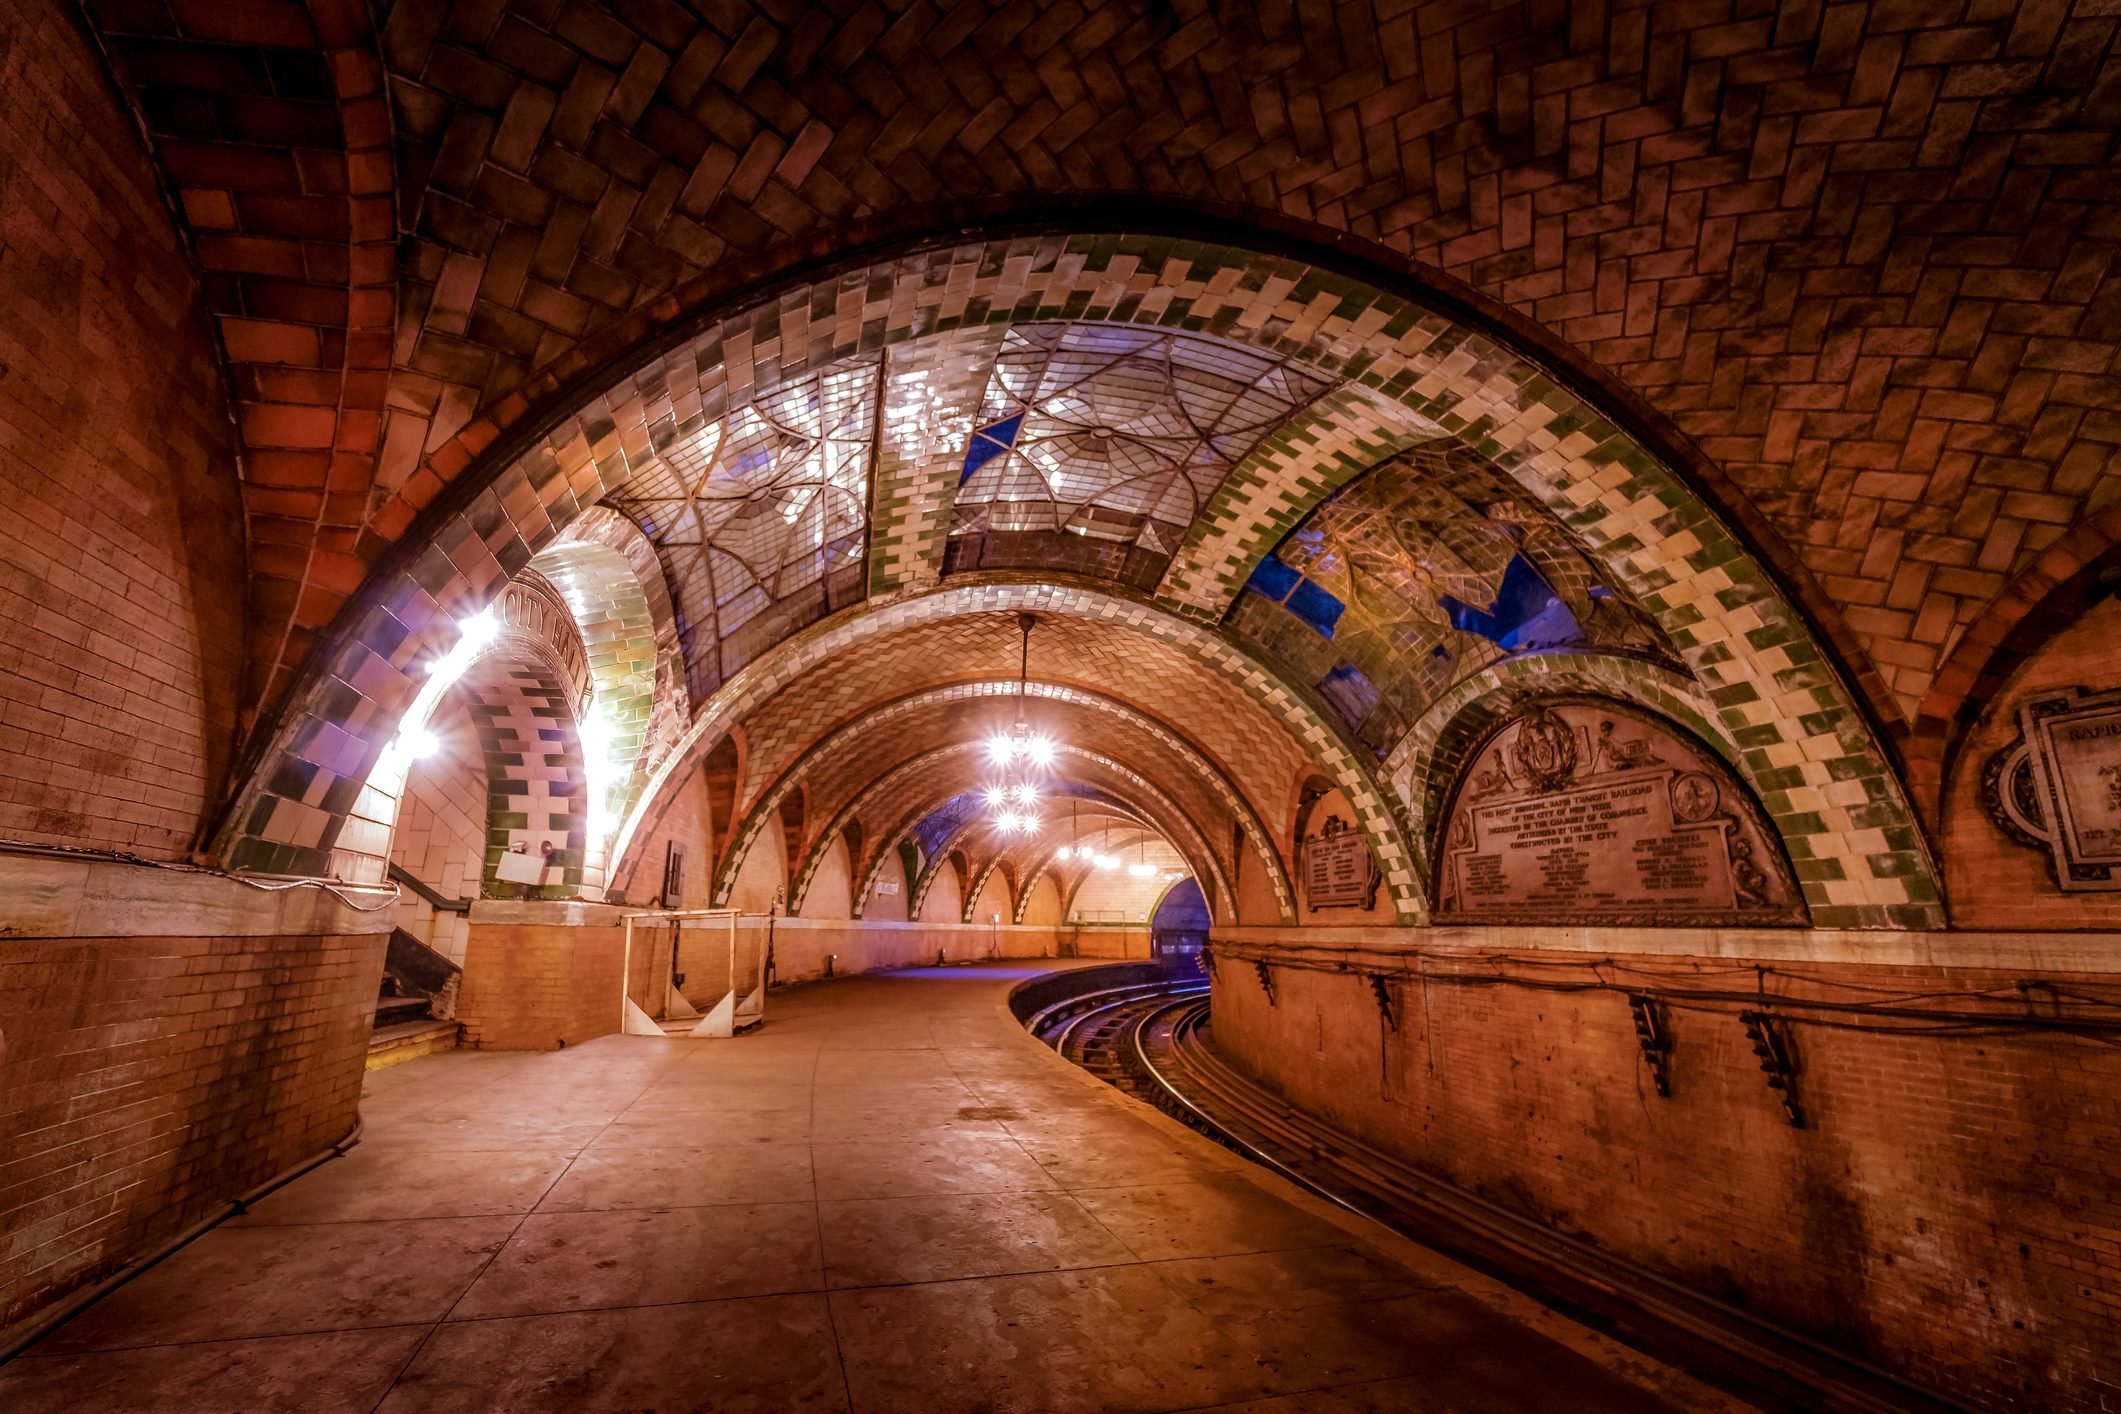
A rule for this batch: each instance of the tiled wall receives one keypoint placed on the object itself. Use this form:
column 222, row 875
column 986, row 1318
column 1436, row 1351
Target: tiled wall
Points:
column 1116, row 896
column 540, row 975
column 146, row 1078
column 121, row 553
column 686, row 822
column 1993, row 881
column 1947, row 1212
column 440, row 837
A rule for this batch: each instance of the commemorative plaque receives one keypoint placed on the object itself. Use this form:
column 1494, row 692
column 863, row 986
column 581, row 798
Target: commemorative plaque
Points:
column 1338, row 869
column 2058, row 787
column 1590, row 813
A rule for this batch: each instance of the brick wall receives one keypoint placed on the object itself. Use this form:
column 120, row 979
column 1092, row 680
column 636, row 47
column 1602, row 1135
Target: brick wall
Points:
column 800, row 945
column 831, row 891
column 945, row 899
column 1993, row 881
column 147, row 1079
column 1949, row 1212
column 687, row 820
column 121, row 557
column 1115, row 896
column 440, row 837
column 540, row 975
column 1044, row 905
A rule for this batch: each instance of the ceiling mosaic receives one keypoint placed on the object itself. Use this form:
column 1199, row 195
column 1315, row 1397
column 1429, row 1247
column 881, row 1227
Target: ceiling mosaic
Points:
column 758, row 516
column 1112, row 433
column 1419, row 575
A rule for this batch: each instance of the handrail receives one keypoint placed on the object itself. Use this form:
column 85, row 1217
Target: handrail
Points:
column 427, row 895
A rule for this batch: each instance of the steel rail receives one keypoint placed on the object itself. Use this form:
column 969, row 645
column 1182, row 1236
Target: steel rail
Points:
column 1802, row 1373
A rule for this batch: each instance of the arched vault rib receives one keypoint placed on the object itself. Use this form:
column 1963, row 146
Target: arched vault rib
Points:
column 1165, row 816
column 1031, row 858
column 1168, row 818
column 814, row 648
column 1197, row 762
column 930, row 866
column 978, row 886
column 1773, row 685
column 1011, row 855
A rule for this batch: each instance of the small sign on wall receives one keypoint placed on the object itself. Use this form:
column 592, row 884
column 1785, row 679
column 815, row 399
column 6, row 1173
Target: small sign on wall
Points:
column 518, row 866
column 674, row 876
column 1338, row 869
column 886, row 886
column 2058, row 787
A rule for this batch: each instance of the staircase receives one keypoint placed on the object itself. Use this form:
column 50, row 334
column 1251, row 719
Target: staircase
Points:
column 413, row 1002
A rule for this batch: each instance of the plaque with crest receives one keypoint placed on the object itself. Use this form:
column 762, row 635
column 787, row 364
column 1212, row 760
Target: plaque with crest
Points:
column 1339, row 871
column 1589, row 812
column 2057, row 788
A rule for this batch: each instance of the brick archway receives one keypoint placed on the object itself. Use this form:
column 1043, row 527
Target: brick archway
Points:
column 846, row 737
column 1748, row 643
column 2039, row 603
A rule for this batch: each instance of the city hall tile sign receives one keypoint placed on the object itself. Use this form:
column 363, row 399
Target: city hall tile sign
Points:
column 1590, row 813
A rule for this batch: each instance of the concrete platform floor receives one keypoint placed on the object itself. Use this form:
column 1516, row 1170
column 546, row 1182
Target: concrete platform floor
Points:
column 892, row 1199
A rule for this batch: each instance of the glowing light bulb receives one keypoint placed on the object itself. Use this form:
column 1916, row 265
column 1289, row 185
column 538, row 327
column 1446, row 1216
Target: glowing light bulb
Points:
column 480, row 629
column 997, row 797
column 1006, row 822
column 1025, row 795
column 598, row 736
column 1040, row 751
column 1141, row 871
column 1028, row 824
column 1000, row 750
column 1064, row 852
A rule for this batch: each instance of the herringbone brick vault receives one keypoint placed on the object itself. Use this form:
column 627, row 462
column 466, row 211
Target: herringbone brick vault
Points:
column 1796, row 323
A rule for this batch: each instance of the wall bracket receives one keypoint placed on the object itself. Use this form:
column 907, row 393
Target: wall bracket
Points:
column 1381, row 991
column 1772, row 1046
column 1655, row 1038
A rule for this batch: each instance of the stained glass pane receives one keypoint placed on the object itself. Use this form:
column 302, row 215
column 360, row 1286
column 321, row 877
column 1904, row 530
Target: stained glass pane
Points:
column 1109, row 430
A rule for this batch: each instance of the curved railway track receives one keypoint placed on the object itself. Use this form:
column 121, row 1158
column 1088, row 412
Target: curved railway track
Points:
column 1152, row 1040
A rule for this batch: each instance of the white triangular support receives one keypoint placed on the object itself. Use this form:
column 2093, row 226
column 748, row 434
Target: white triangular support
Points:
column 752, row 1007
column 677, row 1008
column 720, row 1019
column 640, row 1023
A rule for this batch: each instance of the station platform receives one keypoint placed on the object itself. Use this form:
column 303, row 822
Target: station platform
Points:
column 889, row 1199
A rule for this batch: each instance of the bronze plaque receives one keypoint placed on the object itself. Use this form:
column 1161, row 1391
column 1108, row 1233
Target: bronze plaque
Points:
column 1338, row 870
column 1589, row 813
column 2058, row 787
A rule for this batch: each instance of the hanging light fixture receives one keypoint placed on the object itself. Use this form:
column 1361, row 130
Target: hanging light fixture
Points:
column 1019, row 756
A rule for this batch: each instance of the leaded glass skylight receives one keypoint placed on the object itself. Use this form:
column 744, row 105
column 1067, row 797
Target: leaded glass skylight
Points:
column 1116, row 432
column 755, row 514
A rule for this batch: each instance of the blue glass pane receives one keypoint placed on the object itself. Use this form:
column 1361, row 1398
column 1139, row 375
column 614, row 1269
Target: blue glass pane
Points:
column 1348, row 688
column 1273, row 579
column 940, row 823
column 1316, row 607
column 1525, row 615
column 989, row 443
